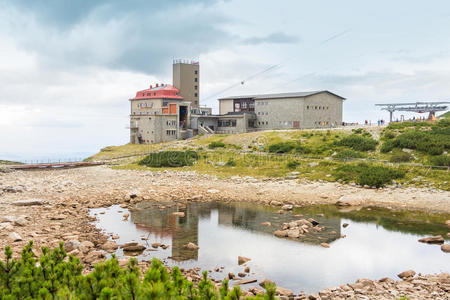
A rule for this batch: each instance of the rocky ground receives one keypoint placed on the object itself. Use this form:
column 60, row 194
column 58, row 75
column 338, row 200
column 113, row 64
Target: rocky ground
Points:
column 49, row 206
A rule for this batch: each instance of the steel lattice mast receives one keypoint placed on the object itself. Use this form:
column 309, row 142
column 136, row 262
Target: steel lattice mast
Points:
column 418, row 107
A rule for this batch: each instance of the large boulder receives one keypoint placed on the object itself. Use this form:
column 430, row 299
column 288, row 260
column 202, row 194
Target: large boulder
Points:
column 266, row 281
column 14, row 237
column 191, row 246
column 71, row 245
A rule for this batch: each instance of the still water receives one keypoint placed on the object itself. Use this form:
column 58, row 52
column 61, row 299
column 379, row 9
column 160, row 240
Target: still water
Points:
column 378, row 242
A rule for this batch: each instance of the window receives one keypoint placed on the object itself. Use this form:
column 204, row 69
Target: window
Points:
column 307, row 107
column 267, row 103
column 315, row 107
column 195, row 72
column 227, row 123
column 154, row 94
column 244, row 105
column 267, row 113
column 148, row 94
column 195, row 79
column 196, row 95
column 195, row 87
column 251, row 105
column 267, row 123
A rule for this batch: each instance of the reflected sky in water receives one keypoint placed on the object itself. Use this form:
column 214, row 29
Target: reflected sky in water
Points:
column 226, row 231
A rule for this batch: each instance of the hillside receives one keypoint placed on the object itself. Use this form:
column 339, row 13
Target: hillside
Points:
column 445, row 115
column 399, row 154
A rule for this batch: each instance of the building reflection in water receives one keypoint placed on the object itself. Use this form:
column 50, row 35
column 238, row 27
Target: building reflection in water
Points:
column 182, row 230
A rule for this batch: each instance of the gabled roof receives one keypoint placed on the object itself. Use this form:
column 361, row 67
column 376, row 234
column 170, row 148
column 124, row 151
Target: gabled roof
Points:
column 280, row 95
column 165, row 91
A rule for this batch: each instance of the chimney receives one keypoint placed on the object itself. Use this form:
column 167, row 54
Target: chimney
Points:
column 150, row 86
column 156, row 85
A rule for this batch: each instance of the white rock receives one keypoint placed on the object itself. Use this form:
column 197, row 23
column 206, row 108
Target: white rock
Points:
column 14, row 237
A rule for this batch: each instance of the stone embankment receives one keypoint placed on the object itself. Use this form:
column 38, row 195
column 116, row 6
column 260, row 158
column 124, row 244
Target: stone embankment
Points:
column 50, row 206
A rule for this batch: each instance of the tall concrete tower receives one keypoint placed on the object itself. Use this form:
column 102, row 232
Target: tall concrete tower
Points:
column 186, row 78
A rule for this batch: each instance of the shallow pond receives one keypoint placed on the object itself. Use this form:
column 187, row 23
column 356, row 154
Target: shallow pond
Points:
column 378, row 242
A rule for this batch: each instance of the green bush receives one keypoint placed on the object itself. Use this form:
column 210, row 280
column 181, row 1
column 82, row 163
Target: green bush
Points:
column 389, row 135
column 292, row 164
column 55, row 276
column 400, row 156
column 214, row 145
column 440, row 160
column 348, row 154
column 387, row 146
column 230, row 162
column 169, row 159
column 366, row 174
column 358, row 143
column 282, row 147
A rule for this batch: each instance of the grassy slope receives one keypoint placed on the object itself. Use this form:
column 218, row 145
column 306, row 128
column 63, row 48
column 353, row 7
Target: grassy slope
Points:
column 248, row 151
column 445, row 116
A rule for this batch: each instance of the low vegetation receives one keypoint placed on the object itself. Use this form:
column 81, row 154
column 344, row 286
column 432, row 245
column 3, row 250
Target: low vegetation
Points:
column 358, row 142
column 368, row 174
column 54, row 275
column 169, row 159
column 315, row 154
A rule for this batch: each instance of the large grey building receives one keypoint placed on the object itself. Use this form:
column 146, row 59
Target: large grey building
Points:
column 165, row 112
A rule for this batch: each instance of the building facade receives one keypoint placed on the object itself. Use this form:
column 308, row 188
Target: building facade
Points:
column 166, row 112
column 319, row 109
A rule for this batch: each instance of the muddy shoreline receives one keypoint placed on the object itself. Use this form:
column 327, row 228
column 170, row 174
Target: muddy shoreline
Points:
column 63, row 198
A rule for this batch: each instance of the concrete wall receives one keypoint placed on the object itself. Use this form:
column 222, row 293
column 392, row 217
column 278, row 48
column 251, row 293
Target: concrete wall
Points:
column 153, row 128
column 225, row 106
column 278, row 113
column 241, row 124
column 186, row 77
column 322, row 110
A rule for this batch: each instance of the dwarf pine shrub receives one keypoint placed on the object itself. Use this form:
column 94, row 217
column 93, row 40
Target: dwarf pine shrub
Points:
column 348, row 154
column 368, row 174
column 282, row 147
column 441, row 160
column 55, row 276
column 358, row 142
column 169, row 159
column 400, row 156
column 214, row 145
column 292, row 164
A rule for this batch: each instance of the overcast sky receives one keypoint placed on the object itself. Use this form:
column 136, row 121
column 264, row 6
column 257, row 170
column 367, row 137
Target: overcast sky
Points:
column 68, row 68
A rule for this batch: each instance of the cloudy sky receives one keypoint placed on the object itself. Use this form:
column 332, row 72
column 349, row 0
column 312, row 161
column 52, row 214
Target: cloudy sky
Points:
column 68, row 68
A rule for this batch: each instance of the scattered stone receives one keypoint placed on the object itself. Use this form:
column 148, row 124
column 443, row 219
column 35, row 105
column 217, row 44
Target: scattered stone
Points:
column 275, row 203
column 406, row 274
column 109, row 246
column 9, row 219
column 283, row 292
column 213, row 191
column 231, row 276
column 125, row 216
column 447, row 223
column 241, row 274
column 438, row 239
column 325, row 245
column 345, row 225
column 242, row 260
column 71, row 245
column 14, row 237
column 29, row 202
column 266, row 224
column 58, row 217
column 156, row 245
column 445, row 248
column 133, row 194
column 191, row 246
column 247, row 269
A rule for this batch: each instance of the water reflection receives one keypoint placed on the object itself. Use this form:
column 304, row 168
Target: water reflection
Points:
column 379, row 242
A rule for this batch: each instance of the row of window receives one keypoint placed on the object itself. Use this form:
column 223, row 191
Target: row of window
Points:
column 321, row 123
column 171, row 122
column 171, row 132
column 263, row 123
column 145, row 105
column 262, row 103
column 227, row 123
column 261, row 113
column 317, row 107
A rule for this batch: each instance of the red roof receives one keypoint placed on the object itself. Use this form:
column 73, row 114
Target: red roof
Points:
column 166, row 91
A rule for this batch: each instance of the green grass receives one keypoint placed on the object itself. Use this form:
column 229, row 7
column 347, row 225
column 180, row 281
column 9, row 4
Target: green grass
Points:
column 8, row 162
column 316, row 153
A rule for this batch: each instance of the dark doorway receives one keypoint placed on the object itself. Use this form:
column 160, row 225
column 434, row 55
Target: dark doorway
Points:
column 183, row 116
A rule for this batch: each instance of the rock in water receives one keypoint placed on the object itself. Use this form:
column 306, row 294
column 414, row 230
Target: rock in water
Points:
column 445, row 248
column 191, row 246
column 243, row 260
column 345, row 225
column 438, row 239
column 325, row 245
column 266, row 281
column 406, row 274
column 178, row 214
column 134, row 248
